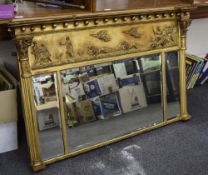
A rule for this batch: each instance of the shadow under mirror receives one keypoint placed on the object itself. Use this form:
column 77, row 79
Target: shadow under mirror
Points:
column 172, row 78
column 110, row 100
column 48, row 116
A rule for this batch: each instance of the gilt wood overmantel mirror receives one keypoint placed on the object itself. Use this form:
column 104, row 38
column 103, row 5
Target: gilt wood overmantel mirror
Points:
column 92, row 79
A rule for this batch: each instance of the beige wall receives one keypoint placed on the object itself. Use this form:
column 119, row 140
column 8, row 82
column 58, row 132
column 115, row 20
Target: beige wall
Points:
column 197, row 39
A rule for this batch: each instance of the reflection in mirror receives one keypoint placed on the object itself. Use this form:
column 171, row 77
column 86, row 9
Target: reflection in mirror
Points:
column 109, row 100
column 172, row 78
column 48, row 115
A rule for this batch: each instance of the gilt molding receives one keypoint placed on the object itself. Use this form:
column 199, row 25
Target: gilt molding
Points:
column 92, row 21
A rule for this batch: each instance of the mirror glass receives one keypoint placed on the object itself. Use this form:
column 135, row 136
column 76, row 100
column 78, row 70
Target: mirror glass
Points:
column 48, row 115
column 112, row 99
column 172, row 78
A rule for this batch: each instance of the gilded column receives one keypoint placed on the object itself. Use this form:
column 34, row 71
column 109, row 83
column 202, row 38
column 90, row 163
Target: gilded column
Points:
column 183, row 23
column 27, row 97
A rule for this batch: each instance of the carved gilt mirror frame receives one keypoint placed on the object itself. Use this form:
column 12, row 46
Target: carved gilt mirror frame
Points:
column 51, row 45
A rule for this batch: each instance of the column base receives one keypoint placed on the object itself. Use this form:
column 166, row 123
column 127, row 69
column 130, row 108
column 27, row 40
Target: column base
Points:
column 38, row 166
column 185, row 117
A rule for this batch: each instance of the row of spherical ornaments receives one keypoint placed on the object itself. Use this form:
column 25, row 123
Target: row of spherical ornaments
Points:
column 95, row 21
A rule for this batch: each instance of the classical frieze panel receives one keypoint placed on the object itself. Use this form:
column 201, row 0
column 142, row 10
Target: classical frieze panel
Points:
column 84, row 45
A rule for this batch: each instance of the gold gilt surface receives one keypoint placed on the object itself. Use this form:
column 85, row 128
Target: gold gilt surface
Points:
column 83, row 45
column 51, row 45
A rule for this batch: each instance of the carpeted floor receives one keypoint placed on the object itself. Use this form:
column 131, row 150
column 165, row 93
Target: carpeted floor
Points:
column 177, row 149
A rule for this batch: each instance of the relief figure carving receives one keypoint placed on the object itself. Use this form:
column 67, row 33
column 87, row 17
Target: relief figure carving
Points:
column 41, row 53
column 133, row 32
column 69, row 48
column 124, row 45
column 164, row 37
column 121, row 47
column 102, row 35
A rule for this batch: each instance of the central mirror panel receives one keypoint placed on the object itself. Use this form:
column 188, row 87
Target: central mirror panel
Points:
column 112, row 99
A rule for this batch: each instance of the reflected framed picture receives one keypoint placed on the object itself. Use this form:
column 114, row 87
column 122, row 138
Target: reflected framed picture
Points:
column 48, row 118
